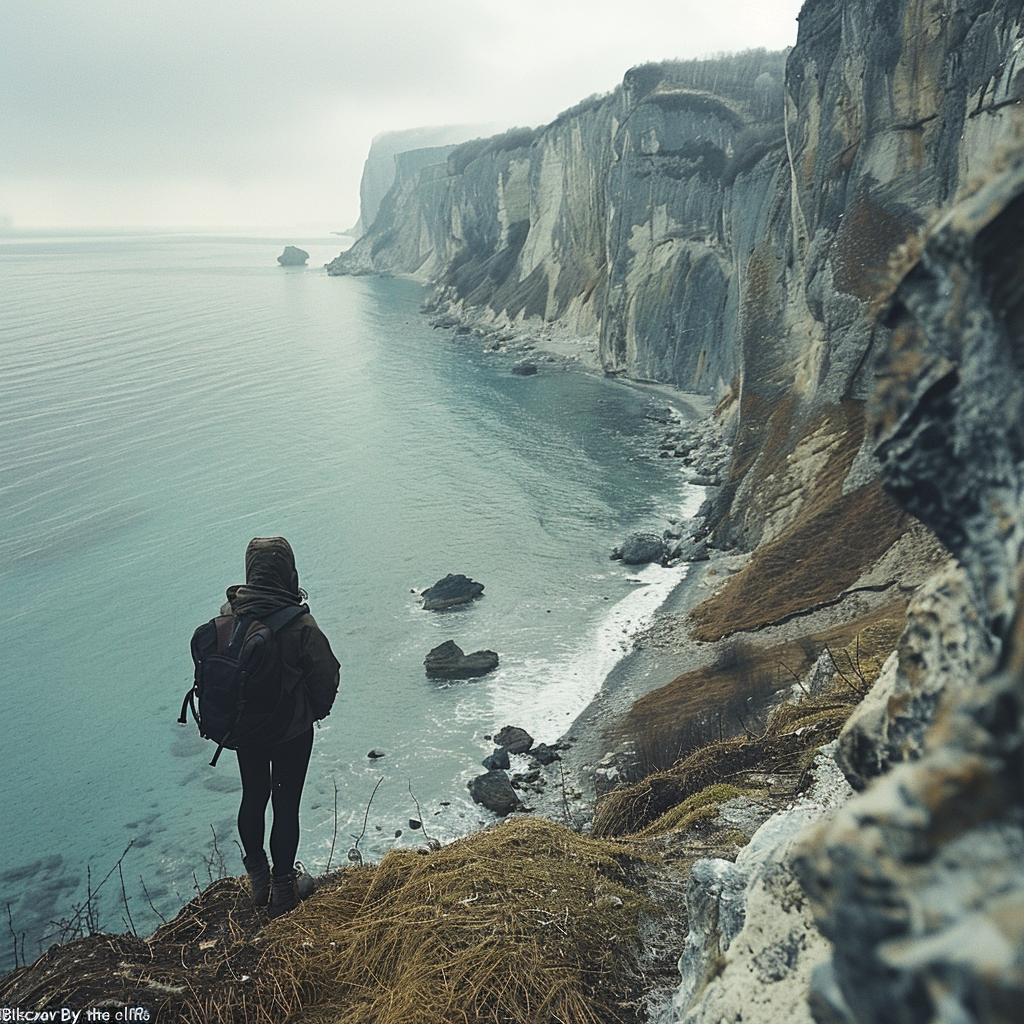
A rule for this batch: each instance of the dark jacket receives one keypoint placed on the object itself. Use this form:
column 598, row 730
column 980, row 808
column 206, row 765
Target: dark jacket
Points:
column 309, row 671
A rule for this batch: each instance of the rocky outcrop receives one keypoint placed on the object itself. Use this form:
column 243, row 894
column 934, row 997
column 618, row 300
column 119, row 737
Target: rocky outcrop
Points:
column 919, row 882
column 453, row 590
column 293, row 257
column 447, row 661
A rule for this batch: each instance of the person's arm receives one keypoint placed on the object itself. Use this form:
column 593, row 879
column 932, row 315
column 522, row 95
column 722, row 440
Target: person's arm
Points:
column 320, row 671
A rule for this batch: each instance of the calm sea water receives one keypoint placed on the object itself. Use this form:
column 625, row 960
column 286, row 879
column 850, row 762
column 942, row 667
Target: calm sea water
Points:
column 163, row 399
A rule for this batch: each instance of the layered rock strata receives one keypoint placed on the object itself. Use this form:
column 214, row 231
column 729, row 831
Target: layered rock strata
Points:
column 919, row 882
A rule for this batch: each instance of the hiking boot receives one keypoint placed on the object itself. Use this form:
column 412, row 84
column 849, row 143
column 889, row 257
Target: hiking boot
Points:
column 304, row 883
column 258, row 870
column 284, row 895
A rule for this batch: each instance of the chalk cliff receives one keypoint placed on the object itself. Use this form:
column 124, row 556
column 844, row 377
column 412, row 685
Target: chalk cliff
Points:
column 756, row 229
column 723, row 226
column 379, row 168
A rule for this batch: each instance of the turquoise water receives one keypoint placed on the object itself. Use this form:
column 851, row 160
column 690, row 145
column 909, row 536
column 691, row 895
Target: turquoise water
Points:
column 163, row 399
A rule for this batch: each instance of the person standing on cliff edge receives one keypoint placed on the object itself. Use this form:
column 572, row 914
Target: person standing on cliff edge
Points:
column 276, row 772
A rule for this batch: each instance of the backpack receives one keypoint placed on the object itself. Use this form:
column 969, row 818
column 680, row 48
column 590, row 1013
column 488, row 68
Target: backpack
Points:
column 237, row 684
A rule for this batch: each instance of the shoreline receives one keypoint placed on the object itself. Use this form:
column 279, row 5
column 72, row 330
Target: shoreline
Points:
column 643, row 666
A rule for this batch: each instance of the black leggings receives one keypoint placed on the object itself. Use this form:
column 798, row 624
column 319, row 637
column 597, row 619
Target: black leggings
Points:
column 277, row 772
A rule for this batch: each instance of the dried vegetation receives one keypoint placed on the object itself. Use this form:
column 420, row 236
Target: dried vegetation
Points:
column 525, row 922
column 770, row 757
column 834, row 537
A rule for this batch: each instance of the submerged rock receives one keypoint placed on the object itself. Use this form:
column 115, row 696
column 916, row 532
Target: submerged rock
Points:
column 292, row 257
column 447, row 661
column 452, row 590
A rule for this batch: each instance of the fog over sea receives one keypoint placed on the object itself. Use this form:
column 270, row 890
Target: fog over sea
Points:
column 164, row 398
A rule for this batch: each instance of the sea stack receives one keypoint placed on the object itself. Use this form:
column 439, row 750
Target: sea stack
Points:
column 293, row 257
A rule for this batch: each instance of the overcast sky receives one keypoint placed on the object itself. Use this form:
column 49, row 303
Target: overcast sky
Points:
column 218, row 112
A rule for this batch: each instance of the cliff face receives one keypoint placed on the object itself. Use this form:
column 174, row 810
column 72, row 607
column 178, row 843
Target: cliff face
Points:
column 379, row 168
column 741, row 234
column 724, row 225
column 714, row 222
column 610, row 220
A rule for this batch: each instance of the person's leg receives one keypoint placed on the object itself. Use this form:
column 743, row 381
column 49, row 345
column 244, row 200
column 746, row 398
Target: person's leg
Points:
column 289, row 762
column 254, row 768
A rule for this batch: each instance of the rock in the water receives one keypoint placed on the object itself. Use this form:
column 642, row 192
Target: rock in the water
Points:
column 447, row 661
column 494, row 791
column 453, row 589
column 514, row 739
column 525, row 368
column 292, row 257
column 641, row 548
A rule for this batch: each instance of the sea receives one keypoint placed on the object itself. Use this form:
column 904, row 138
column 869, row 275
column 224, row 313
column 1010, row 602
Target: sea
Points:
column 166, row 396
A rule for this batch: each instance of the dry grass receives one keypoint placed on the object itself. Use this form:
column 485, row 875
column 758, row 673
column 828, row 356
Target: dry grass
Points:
column 821, row 555
column 523, row 922
column 771, row 756
column 527, row 923
column 725, row 699
column 834, row 538
column 701, row 805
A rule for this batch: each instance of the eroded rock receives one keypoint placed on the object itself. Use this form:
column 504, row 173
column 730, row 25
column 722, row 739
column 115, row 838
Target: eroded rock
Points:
column 454, row 589
column 447, row 661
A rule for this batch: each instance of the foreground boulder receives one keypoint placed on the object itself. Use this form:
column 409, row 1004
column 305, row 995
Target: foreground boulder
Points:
column 452, row 590
column 292, row 257
column 447, row 661
column 494, row 791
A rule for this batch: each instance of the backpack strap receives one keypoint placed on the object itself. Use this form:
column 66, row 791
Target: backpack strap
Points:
column 279, row 619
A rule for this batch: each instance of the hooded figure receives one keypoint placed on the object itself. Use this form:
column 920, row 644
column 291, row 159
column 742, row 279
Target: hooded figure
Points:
column 276, row 773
